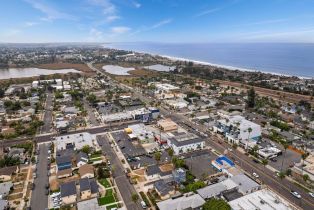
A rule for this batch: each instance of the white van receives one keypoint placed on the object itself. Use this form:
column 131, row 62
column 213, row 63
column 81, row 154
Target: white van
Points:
column 143, row 204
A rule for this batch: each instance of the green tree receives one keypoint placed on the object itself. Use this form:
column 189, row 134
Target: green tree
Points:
column 304, row 156
column 170, row 152
column 216, row 204
column 285, row 145
column 178, row 162
column 101, row 173
column 157, row 156
column 135, row 197
column 305, row 177
column 86, row 149
column 251, row 98
column 281, row 175
column 264, row 162
column 91, row 98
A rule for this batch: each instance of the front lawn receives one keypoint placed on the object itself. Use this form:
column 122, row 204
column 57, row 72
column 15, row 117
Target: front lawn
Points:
column 108, row 192
column 106, row 200
column 105, row 183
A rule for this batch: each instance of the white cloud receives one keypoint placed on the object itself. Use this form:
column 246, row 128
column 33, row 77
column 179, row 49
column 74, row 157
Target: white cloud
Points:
column 136, row 4
column 107, row 6
column 112, row 18
column 120, row 29
column 30, row 24
column 50, row 12
column 161, row 23
column 154, row 26
column 206, row 12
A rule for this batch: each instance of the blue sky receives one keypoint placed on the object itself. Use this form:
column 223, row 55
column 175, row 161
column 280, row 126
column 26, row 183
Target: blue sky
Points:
column 157, row 20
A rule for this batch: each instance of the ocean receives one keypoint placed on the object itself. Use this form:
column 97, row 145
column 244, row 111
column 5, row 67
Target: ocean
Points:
column 295, row 59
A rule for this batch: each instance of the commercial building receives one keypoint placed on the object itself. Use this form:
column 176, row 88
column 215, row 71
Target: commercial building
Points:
column 238, row 130
column 269, row 152
column 185, row 142
column 177, row 103
column 216, row 189
column 261, row 199
column 187, row 201
column 166, row 91
column 77, row 141
column 167, row 125
column 141, row 133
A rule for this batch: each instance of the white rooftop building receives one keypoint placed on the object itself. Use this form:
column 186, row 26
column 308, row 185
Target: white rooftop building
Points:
column 78, row 141
column 166, row 91
column 263, row 199
column 187, row 201
column 237, row 129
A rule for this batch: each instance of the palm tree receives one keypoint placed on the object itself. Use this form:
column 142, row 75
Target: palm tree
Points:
column 247, row 141
column 281, row 175
column 285, row 145
column 304, row 156
column 264, row 162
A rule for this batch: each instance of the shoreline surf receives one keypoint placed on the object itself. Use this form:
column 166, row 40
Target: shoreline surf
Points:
column 205, row 63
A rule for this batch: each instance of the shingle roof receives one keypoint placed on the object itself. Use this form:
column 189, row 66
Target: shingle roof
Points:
column 68, row 189
column 81, row 156
column 85, row 169
column 93, row 186
column 152, row 170
column 63, row 159
column 84, row 184
column 162, row 187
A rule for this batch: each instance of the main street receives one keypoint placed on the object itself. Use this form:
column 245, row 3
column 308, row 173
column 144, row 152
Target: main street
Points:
column 39, row 199
column 126, row 189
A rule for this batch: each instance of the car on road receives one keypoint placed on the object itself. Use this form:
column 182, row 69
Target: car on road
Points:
column 255, row 175
column 311, row 194
column 296, row 194
column 255, row 160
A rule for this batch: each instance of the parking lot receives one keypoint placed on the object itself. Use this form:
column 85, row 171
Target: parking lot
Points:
column 199, row 163
column 287, row 159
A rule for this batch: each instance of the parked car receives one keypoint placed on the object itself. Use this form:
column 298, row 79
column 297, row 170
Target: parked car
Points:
column 311, row 194
column 255, row 175
column 143, row 204
column 296, row 194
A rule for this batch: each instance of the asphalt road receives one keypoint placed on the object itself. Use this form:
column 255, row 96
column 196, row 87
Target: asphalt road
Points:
column 125, row 188
column 39, row 199
column 48, row 114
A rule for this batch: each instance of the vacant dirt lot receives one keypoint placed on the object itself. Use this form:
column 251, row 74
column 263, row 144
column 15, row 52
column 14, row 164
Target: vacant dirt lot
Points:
column 166, row 167
column 275, row 94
